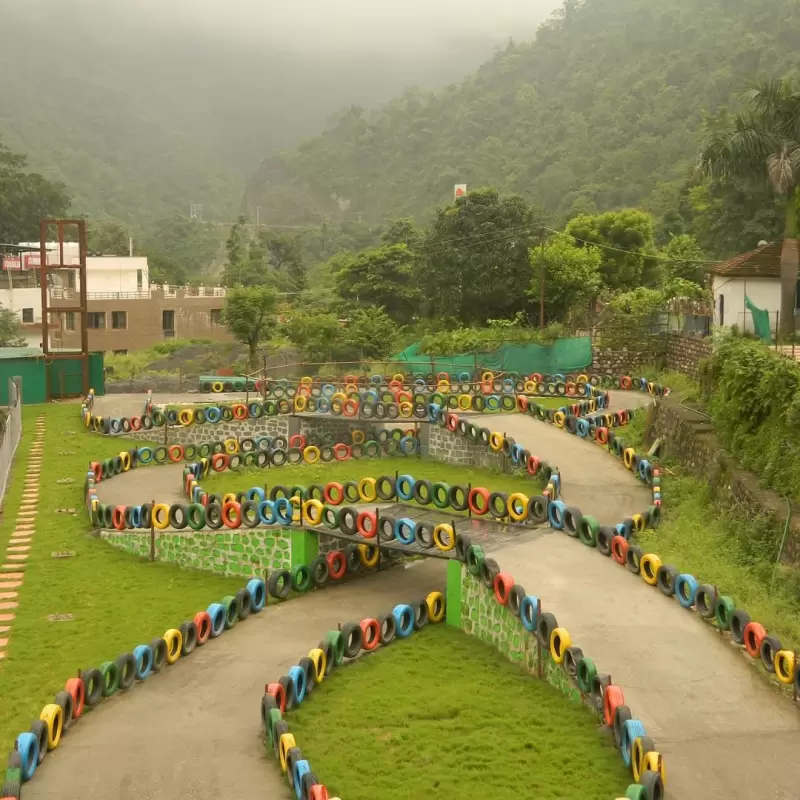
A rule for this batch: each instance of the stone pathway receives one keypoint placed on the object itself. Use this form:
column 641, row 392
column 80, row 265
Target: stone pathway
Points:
column 12, row 570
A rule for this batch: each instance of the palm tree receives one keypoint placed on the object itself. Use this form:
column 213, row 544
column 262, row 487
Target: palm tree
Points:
column 764, row 141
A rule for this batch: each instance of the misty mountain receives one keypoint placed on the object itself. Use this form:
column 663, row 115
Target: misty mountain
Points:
column 603, row 110
column 142, row 108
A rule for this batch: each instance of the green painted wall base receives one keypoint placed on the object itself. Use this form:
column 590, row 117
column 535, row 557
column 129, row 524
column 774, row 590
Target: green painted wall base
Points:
column 453, row 594
column 305, row 547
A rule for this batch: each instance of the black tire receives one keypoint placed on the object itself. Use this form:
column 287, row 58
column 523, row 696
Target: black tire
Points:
column 769, row 648
column 572, row 658
column 64, row 699
column 705, row 600
column 498, row 505
column 421, row 615
column 288, row 688
column 350, row 492
column 572, row 521
column 280, row 584
column 621, row 716
column 423, row 535
column 388, row 626
column 386, row 529
column 39, row 730
column 126, row 665
column 605, row 533
column 739, row 620
column 515, row 598
column 93, row 684
column 353, row 639
column 189, row 637
column 347, row 520
column 489, row 570
column 457, row 498
column 244, row 603
column 665, row 579
column 330, row 658
column 545, row 626
column 422, row 492
column 385, row 488
column 320, row 572
column 159, row 648
column 278, row 730
column 463, row 543
column 633, row 559
column 353, row 559
column 307, row 665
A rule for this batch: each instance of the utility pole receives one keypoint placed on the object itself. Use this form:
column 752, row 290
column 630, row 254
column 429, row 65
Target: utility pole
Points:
column 541, row 284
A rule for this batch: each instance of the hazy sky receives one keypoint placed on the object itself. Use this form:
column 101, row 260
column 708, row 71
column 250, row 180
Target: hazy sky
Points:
column 324, row 24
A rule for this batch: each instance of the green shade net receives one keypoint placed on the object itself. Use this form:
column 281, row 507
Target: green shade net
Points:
column 760, row 320
column 564, row 355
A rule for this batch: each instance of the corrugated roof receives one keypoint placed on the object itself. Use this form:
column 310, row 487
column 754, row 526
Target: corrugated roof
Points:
column 20, row 352
column 763, row 262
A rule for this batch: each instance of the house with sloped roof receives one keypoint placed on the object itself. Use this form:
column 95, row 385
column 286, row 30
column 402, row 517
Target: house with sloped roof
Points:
column 755, row 275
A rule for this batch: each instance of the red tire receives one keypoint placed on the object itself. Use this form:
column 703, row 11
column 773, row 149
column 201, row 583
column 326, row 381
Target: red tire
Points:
column 367, row 524
column 333, row 493
column 337, row 564
column 219, row 462
column 452, row 422
column 203, row 622
column 279, row 693
column 532, row 465
column 297, row 441
column 754, row 633
column 342, row 451
column 522, row 403
column 77, row 689
column 175, row 453
column 240, row 411
column 350, row 407
column 136, row 423
column 118, row 518
column 619, row 549
column 474, row 506
column 370, row 634
column 503, row 584
column 231, row 514
column 612, row 699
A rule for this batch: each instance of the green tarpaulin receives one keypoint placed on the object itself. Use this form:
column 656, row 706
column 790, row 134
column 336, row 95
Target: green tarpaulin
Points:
column 760, row 320
column 564, row 355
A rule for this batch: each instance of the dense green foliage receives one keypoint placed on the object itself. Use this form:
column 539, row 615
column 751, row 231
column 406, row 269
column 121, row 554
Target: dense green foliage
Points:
column 603, row 110
column 754, row 396
column 144, row 112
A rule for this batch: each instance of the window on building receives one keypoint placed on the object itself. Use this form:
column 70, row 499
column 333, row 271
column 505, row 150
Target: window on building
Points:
column 168, row 324
column 722, row 309
column 69, row 321
column 119, row 320
column 96, row 320
column 139, row 280
column 120, row 352
column 27, row 315
column 71, row 279
column 216, row 316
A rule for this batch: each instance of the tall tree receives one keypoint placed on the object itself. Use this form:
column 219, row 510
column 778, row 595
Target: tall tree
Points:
column 286, row 258
column 475, row 257
column 10, row 330
column 380, row 277
column 763, row 141
column 237, row 247
column 26, row 198
column 684, row 259
column 625, row 239
column 109, row 237
column 249, row 314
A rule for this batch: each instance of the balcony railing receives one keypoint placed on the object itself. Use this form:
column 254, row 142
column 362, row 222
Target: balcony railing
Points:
column 188, row 293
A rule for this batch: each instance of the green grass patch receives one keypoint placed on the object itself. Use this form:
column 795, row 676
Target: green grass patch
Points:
column 443, row 716
column 117, row 601
column 306, row 474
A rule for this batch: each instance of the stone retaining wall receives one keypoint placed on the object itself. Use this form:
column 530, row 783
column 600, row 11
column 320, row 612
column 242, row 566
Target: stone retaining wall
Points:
column 674, row 351
column 197, row 434
column 452, row 448
column 482, row 616
column 689, row 437
column 237, row 553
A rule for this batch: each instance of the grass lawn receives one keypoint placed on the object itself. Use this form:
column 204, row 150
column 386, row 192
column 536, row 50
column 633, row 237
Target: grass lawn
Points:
column 444, row 716
column 719, row 546
column 117, row 601
column 306, row 474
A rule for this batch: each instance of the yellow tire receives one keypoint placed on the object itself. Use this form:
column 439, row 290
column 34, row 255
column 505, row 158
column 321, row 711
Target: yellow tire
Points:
column 638, row 523
column 654, row 762
column 582, row 378
column 369, row 555
column 350, row 387
column 367, row 491
column 785, row 666
column 530, row 387
column 406, row 410
column 190, row 488
column 443, row 386
column 514, row 501
column 487, row 376
column 651, row 387
column 231, row 446
column 312, row 512
column 436, row 606
column 496, row 441
column 560, row 419
column 399, row 377
column 174, row 639
column 53, row 716
column 125, row 458
column 320, row 662
column 443, row 537
column 464, row 402
column 339, row 396
column 228, row 497
column 311, row 454
column 160, row 516
column 560, row 641
column 648, row 568
column 307, row 380
column 286, row 743
column 217, row 386
column 300, row 402
column 186, row 417
column 627, row 457
column 637, row 757
column 357, row 436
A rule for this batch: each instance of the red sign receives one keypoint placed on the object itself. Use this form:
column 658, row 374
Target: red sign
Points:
column 28, row 261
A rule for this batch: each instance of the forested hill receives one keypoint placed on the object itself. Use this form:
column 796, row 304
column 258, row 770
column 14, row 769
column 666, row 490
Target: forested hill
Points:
column 141, row 118
column 603, row 110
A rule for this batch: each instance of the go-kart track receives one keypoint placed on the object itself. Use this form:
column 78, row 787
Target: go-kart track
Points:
column 194, row 732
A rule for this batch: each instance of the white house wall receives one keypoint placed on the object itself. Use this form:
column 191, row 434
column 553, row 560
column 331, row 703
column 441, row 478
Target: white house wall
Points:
column 765, row 293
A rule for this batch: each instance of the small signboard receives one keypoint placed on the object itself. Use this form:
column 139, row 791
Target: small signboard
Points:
column 460, row 190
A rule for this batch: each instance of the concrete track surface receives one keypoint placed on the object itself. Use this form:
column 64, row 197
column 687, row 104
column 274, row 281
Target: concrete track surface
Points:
column 194, row 732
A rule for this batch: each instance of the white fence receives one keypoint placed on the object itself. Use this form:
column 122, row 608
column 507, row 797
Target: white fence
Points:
column 11, row 432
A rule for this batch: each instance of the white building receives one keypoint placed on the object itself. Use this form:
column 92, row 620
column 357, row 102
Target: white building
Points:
column 107, row 277
column 756, row 275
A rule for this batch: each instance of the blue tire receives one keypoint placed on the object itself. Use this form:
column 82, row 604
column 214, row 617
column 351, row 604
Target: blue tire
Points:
column 631, row 730
column 257, row 590
column 529, row 612
column 266, row 512
column 143, row 655
column 405, row 530
column 217, row 613
column 28, row 749
column 555, row 513
column 298, row 677
column 686, row 589
column 404, row 620
column 405, row 487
